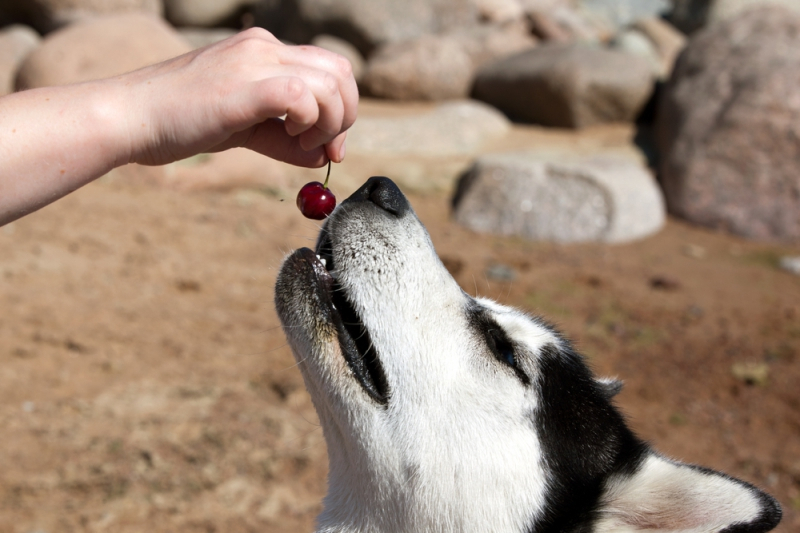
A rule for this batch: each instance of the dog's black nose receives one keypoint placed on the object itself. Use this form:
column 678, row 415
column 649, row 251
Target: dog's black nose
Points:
column 382, row 192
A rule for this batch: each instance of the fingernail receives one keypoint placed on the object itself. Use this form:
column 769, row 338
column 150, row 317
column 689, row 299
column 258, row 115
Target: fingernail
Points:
column 342, row 150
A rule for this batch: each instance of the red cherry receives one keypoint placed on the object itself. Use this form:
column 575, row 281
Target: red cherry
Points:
column 315, row 200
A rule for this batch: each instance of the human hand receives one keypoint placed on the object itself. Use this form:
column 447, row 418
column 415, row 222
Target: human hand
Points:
column 233, row 94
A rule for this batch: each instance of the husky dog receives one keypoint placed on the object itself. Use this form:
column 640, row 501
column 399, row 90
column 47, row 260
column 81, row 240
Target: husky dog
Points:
column 447, row 413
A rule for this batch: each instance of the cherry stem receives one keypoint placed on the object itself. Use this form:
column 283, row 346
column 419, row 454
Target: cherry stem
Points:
column 328, row 175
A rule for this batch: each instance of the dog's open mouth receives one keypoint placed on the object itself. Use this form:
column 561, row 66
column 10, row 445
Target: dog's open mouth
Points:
column 354, row 338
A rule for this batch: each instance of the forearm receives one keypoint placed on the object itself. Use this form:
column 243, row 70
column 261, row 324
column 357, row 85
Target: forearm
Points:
column 57, row 139
column 54, row 140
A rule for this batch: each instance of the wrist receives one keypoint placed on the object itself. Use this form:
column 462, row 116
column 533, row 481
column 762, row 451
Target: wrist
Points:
column 111, row 117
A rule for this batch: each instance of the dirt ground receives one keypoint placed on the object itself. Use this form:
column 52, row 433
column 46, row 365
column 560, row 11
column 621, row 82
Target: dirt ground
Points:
column 145, row 384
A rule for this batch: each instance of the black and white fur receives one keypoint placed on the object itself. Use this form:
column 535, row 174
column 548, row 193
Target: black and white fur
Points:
column 447, row 413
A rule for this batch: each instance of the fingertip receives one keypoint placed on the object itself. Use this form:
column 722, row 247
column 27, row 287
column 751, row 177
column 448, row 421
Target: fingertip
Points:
column 336, row 149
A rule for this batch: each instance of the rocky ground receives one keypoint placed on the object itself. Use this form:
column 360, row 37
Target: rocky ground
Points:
column 145, row 383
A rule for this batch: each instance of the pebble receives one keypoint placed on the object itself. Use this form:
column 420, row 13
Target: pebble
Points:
column 498, row 272
column 791, row 264
column 751, row 373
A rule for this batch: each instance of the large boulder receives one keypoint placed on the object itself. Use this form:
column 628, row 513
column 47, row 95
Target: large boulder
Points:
column 729, row 127
column 666, row 39
column 440, row 67
column 99, row 48
column 689, row 15
column 559, row 21
column 48, row 15
column 16, row 42
column 204, row 13
column 432, row 67
column 724, row 9
column 366, row 24
column 452, row 129
column 595, row 198
column 655, row 40
column 634, row 42
column 570, row 86
column 499, row 10
column 692, row 15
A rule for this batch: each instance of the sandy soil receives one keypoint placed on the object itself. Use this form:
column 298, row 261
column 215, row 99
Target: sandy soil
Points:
column 145, row 383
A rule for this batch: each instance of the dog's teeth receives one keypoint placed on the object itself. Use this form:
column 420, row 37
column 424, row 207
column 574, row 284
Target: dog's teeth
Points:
column 322, row 260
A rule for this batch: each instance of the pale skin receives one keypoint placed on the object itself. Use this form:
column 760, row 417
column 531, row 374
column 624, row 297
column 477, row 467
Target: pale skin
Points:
column 54, row 140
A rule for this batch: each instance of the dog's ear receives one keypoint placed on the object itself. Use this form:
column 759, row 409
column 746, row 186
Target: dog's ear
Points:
column 610, row 387
column 666, row 496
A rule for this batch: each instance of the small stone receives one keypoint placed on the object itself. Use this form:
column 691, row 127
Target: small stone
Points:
column 751, row 373
column 664, row 283
column 695, row 251
column 791, row 264
column 498, row 272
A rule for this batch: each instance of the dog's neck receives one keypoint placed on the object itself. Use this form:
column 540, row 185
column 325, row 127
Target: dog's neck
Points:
column 411, row 478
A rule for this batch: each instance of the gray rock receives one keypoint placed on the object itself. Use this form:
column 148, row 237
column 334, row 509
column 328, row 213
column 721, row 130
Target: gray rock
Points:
column 546, row 28
column 500, row 272
column 49, row 15
column 668, row 42
column 454, row 128
column 724, row 9
column 432, row 67
column 495, row 11
column 634, row 42
column 568, row 86
column 689, row 15
column 99, row 48
column 560, row 21
column 597, row 198
column 617, row 14
column 692, row 15
column 345, row 49
column 489, row 42
column 16, row 42
column 791, row 264
column 728, row 127
column 203, row 13
column 440, row 67
column 367, row 24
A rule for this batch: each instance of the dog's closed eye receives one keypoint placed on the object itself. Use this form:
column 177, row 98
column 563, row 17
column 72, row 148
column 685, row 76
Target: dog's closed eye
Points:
column 502, row 349
column 499, row 344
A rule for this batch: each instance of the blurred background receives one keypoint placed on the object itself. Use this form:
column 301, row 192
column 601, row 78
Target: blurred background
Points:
column 629, row 169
